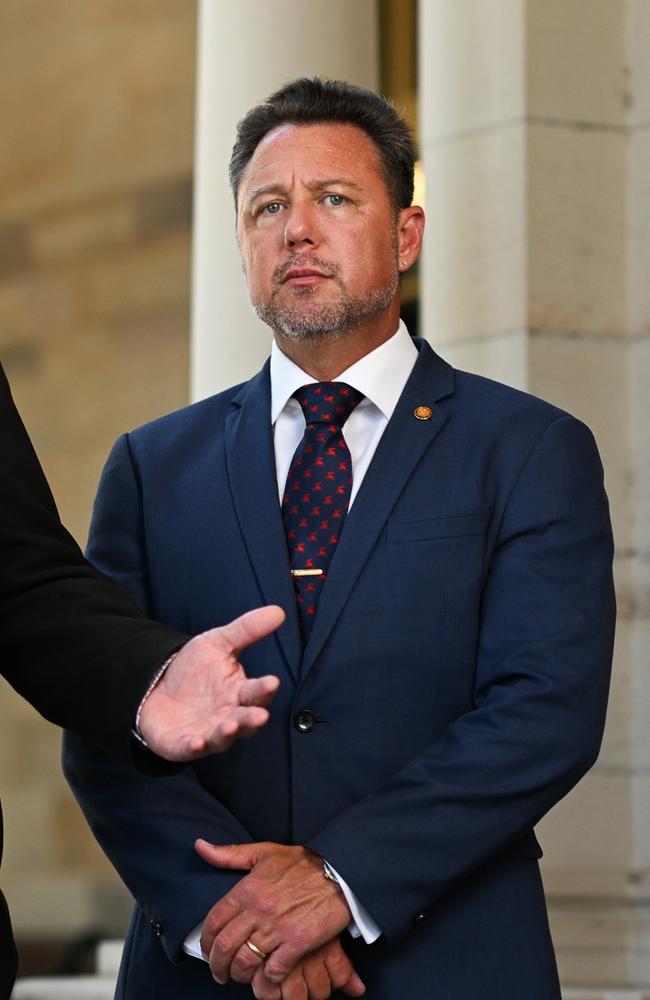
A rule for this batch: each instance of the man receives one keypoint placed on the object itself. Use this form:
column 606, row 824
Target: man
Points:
column 446, row 652
column 81, row 651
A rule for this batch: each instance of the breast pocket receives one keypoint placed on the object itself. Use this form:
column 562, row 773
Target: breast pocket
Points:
column 447, row 526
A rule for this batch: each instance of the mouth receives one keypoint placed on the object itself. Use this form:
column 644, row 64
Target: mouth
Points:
column 303, row 277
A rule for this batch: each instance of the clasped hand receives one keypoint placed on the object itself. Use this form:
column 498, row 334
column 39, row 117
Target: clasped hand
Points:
column 290, row 912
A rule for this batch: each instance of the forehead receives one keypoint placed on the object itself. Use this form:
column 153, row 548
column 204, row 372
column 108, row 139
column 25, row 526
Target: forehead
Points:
column 318, row 151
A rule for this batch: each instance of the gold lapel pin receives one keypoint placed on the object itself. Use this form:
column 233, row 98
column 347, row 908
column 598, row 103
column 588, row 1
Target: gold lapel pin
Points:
column 423, row 413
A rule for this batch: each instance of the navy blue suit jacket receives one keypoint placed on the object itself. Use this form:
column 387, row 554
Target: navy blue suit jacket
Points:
column 457, row 674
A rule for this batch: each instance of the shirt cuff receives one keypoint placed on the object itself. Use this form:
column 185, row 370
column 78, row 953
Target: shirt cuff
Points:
column 192, row 943
column 156, row 677
column 362, row 925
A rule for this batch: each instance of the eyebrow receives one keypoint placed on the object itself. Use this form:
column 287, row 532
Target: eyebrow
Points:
column 317, row 184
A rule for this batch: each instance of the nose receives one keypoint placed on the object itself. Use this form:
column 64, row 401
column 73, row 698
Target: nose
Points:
column 301, row 226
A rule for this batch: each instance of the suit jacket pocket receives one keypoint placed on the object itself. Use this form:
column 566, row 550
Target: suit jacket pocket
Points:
column 447, row 526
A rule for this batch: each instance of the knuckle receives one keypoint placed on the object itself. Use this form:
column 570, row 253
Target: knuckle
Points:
column 276, row 971
column 265, row 905
column 222, row 943
column 241, row 975
column 301, row 942
column 211, row 924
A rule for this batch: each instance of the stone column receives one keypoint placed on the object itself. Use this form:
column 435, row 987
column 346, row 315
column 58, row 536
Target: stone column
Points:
column 536, row 144
column 245, row 51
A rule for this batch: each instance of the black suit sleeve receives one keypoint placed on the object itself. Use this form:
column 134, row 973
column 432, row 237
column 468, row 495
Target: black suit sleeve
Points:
column 73, row 643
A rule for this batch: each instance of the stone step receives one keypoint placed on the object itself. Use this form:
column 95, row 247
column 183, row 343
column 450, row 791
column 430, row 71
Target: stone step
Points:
column 108, row 957
column 65, row 988
column 604, row 994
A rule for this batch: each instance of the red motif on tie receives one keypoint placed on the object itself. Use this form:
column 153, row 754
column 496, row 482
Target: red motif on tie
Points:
column 323, row 455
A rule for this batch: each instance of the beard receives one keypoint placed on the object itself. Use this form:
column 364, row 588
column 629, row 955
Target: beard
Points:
column 302, row 318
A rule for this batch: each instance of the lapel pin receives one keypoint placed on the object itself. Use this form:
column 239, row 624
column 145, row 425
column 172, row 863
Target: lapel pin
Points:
column 423, row 413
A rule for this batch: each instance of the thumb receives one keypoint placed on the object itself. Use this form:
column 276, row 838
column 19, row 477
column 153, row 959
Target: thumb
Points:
column 250, row 627
column 239, row 857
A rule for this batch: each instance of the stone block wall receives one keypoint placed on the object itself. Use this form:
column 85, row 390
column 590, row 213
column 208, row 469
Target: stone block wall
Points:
column 95, row 215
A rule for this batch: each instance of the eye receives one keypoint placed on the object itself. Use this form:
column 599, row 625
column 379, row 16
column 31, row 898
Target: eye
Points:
column 272, row 208
column 336, row 200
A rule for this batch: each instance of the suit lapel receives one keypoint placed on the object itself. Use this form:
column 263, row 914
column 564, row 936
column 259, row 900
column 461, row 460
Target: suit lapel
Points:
column 404, row 442
column 253, row 482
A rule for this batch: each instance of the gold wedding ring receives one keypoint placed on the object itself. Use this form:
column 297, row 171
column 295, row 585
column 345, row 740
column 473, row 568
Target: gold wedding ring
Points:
column 256, row 951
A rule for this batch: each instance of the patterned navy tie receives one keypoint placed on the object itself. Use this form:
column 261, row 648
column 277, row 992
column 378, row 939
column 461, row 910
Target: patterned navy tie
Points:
column 317, row 493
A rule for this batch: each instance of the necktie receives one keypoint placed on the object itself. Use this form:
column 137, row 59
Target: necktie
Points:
column 317, row 493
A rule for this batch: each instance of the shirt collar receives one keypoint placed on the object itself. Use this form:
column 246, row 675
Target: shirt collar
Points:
column 380, row 375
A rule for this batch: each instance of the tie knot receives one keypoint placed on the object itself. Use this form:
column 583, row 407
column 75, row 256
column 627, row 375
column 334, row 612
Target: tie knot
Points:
column 327, row 402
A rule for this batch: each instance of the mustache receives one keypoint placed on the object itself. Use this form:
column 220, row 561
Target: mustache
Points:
column 326, row 267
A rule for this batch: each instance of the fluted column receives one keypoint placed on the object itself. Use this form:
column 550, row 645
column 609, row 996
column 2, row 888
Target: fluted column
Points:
column 245, row 51
column 536, row 143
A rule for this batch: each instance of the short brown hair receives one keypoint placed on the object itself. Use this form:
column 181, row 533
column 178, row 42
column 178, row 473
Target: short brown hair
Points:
column 311, row 100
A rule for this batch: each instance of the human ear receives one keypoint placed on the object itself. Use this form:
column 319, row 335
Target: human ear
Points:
column 410, row 228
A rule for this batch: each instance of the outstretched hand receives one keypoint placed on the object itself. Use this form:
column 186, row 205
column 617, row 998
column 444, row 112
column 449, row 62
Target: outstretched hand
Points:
column 285, row 906
column 204, row 701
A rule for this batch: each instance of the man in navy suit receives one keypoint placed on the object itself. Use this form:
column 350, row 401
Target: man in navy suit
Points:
column 450, row 685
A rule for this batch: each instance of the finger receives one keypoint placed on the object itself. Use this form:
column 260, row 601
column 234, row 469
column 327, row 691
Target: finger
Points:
column 258, row 690
column 237, row 857
column 242, row 722
column 285, row 957
column 317, row 979
column 244, row 965
column 221, row 914
column 341, row 971
column 251, row 627
column 263, row 988
column 294, row 986
column 355, row 987
column 227, row 943
column 245, row 962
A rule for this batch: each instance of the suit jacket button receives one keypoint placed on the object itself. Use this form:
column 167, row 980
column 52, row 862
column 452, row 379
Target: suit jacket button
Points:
column 304, row 720
column 156, row 927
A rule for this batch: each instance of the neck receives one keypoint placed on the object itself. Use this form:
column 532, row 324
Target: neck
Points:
column 325, row 358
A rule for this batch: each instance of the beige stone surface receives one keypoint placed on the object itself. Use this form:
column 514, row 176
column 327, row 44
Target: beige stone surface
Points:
column 578, row 993
column 503, row 357
column 577, row 230
column 283, row 40
column 78, row 902
column 585, row 854
column 591, row 942
column 638, row 227
column 639, row 380
column 576, row 60
column 94, row 97
column 474, row 267
column 638, row 46
column 472, row 67
column 97, row 106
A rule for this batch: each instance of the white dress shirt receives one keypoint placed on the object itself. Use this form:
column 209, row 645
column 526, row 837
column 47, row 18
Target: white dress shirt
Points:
column 380, row 376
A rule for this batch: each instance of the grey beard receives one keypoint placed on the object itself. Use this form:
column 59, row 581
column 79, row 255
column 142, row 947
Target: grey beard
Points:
column 325, row 320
